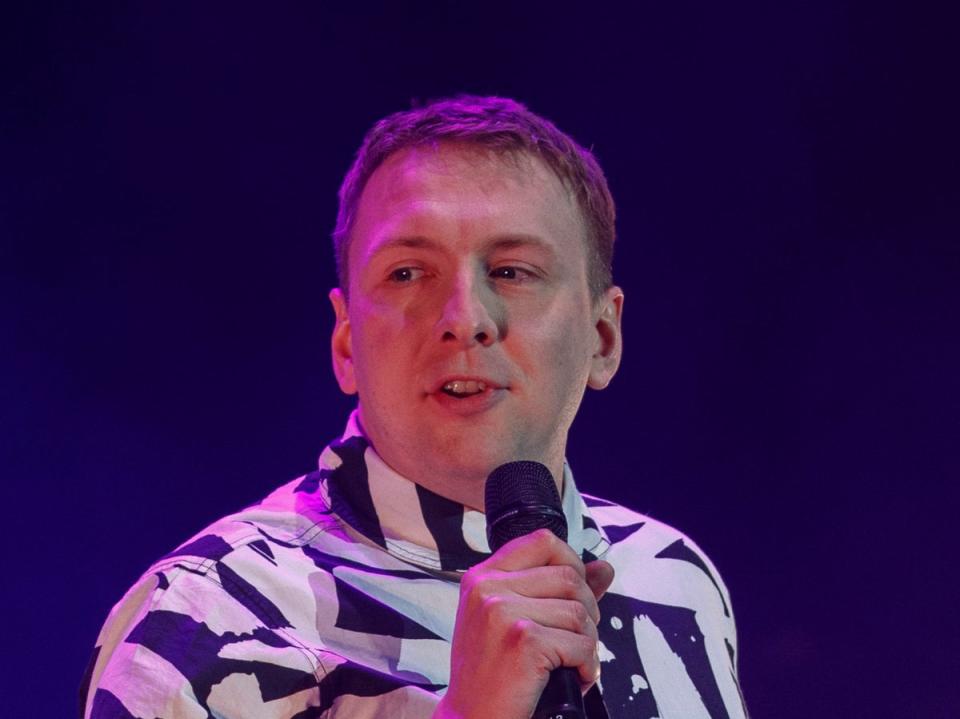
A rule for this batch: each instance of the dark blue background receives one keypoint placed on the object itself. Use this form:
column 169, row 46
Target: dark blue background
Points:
column 788, row 200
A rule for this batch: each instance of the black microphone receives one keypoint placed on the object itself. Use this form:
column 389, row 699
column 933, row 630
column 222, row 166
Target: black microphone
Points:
column 521, row 497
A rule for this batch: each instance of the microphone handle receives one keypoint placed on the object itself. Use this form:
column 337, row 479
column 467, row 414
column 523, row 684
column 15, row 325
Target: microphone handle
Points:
column 521, row 497
column 561, row 698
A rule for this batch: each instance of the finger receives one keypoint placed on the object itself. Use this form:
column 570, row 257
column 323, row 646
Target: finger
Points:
column 559, row 582
column 558, row 648
column 537, row 549
column 599, row 576
column 566, row 614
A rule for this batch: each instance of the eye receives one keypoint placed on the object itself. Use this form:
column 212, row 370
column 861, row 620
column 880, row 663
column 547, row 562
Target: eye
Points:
column 403, row 275
column 510, row 273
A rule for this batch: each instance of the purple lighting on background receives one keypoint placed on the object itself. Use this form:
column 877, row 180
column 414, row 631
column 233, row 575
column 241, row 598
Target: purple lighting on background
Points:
column 787, row 244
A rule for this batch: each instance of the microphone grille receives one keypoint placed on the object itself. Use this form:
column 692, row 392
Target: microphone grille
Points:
column 519, row 498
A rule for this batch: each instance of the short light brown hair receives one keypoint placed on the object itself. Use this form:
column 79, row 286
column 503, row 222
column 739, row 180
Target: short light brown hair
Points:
column 503, row 126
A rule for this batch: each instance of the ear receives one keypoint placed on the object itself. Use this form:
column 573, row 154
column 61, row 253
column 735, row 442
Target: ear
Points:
column 609, row 347
column 341, row 346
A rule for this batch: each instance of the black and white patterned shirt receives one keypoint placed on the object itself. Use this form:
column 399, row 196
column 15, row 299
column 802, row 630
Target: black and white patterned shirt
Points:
column 336, row 597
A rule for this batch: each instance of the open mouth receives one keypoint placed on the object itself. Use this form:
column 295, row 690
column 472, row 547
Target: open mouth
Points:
column 461, row 389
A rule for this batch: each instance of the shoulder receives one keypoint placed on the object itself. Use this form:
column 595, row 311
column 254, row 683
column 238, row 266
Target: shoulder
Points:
column 666, row 588
column 226, row 600
column 241, row 555
column 640, row 533
column 655, row 560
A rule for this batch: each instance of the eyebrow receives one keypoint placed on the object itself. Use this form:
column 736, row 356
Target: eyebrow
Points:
column 500, row 242
column 508, row 242
column 415, row 242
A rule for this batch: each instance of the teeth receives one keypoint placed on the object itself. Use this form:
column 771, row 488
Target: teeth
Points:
column 464, row 386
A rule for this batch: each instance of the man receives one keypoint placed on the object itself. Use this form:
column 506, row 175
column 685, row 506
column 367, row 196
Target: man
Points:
column 475, row 306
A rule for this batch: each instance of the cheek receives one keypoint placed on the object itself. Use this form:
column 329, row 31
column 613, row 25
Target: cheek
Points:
column 558, row 352
column 384, row 349
column 375, row 325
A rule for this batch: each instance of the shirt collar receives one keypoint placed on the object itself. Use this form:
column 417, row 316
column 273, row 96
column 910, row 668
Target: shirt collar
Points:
column 419, row 526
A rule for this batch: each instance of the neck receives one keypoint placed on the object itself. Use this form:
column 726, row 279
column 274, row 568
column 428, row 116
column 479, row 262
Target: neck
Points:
column 459, row 480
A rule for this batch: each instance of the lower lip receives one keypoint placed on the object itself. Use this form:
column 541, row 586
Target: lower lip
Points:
column 474, row 404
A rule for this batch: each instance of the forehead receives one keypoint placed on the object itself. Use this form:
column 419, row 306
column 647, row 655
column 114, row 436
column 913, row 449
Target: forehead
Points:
column 461, row 190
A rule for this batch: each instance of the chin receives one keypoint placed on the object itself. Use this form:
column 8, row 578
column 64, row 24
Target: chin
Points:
column 468, row 458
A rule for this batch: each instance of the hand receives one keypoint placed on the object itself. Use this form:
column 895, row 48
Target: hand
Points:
column 528, row 609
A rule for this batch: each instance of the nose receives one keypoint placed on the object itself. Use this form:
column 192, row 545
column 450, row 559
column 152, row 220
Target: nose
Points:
column 469, row 314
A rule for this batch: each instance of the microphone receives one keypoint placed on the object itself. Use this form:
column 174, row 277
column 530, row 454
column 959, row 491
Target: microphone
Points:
column 521, row 497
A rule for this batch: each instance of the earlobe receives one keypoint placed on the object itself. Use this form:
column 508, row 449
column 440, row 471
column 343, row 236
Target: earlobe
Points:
column 609, row 346
column 341, row 346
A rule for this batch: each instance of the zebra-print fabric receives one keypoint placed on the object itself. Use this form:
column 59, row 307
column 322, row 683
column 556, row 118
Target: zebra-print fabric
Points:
column 336, row 597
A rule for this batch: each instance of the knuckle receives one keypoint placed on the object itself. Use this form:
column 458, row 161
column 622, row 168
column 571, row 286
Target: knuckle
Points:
column 594, row 610
column 480, row 600
column 523, row 632
column 545, row 535
column 568, row 577
column 548, row 539
column 493, row 607
column 468, row 582
column 580, row 619
column 477, row 583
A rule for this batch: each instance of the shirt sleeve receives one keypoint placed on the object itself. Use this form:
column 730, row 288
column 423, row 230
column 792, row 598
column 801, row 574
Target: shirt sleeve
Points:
column 196, row 640
column 180, row 645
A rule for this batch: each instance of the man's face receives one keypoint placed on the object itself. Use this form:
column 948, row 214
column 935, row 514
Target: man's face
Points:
column 470, row 334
